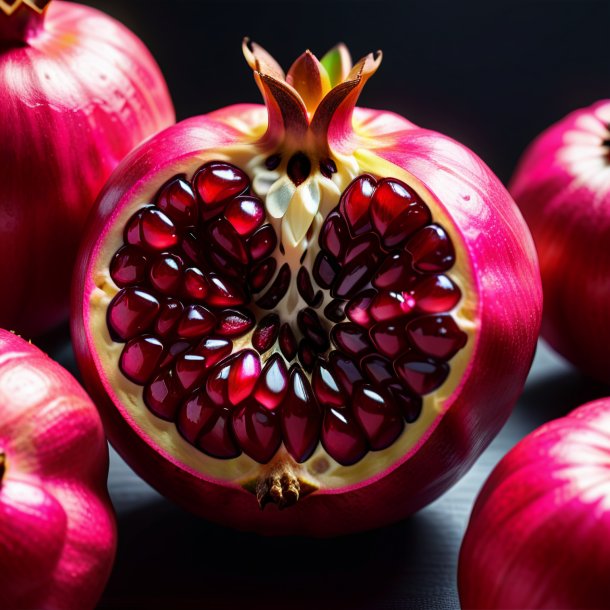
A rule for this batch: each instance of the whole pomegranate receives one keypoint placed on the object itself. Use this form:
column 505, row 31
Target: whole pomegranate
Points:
column 562, row 188
column 57, row 530
column 77, row 92
column 305, row 304
column 539, row 534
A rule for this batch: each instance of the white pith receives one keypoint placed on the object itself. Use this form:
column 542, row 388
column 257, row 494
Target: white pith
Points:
column 292, row 211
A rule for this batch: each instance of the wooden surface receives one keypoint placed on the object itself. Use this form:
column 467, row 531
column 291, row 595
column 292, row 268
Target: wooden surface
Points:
column 168, row 559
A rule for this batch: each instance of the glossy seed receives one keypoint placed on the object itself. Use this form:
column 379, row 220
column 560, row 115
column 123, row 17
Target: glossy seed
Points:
column 173, row 351
column 435, row 294
column 352, row 340
column 131, row 312
column 305, row 287
column 245, row 370
column 224, row 292
column 422, row 375
column 258, row 430
column 195, row 322
column 235, row 322
column 298, row 168
column 437, row 336
column 325, row 386
column 216, row 438
column 140, row 358
column 278, row 289
column 157, row 231
column 177, row 200
column 334, row 235
column 225, row 239
column 335, row 311
column 196, row 284
column 342, row 437
column 216, row 182
column 262, row 243
column 163, row 394
column 307, row 355
column 287, row 342
column 358, row 310
column 378, row 369
column 345, row 372
column 261, row 274
column 309, row 324
column 395, row 273
column 409, row 404
column 355, row 203
column 245, row 214
column 189, row 247
column 266, row 333
column 193, row 415
column 168, row 317
column 128, row 266
column 272, row 384
column 165, row 273
column 391, row 305
column 390, row 338
column 431, row 249
column 325, row 270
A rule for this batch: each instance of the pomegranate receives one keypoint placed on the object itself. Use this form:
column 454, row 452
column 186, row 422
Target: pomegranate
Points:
column 539, row 534
column 78, row 91
column 57, row 530
column 561, row 187
column 306, row 304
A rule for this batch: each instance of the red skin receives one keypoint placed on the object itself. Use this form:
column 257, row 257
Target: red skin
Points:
column 509, row 298
column 57, row 529
column 76, row 97
column 539, row 534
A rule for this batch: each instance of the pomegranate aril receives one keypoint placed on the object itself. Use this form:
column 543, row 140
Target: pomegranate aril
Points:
column 397, row 212
column 409, row 404
column 168, row 317
column 266, row 333
column 213, row 349
column 437, row 336
column 261, row 274
column 132, row 234
column 128, row 266
column 327, row 168
column 262, row 243
column 277, row 290
column 257, row 430
column 140, row 358
column 345, row 372
column 342, row 437
column 193, row 415
column 305, row 287
column 227, row 265
column 378, row 369
column 352, row 340
column 380, row 419
column 355, row 203
column 287, row 342
column 245, row 214
column 131, row 312
column 422, row 375
column 216, row 182
column 190, row 370
column 307, row 355
column 334, row 235
column 325, row 386
column 217, row 383
column 391, row 305
column 196, row 321
column 157, row 231
column 224, row 292
column 301, row 417
column 272, row 384
column 335, row 311
column 245, row 370
column 234, row 322
column 365, row 248
column 436, row 294
column 395, row 273
column 196, row 284
column 358, row 310
column 163, row 394
column 352, row 279
column 227, row 240
column 190, row 248
column 390, row 338
column 309, row 324
column 325, row 270
column 431, row 249
column 175, row 349
column 216, row 438
column 166, row 273
column 177, row 200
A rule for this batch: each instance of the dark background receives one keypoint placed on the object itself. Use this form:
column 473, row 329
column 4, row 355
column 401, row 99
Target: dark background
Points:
column 489, row 74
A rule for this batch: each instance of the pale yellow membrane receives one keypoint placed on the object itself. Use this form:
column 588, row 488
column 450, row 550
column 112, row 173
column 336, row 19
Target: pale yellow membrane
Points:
column 294, row 212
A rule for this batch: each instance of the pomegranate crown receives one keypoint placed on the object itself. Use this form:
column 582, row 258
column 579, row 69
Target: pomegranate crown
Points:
column 315, row 100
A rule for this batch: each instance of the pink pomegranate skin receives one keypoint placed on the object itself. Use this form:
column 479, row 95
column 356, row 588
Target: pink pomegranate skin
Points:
column 78, row 91
column 507, row 286
column 562, row 189
column 539, row 534
column 57, row 529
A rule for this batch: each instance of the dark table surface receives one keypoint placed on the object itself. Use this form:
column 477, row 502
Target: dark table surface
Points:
column 172, row 560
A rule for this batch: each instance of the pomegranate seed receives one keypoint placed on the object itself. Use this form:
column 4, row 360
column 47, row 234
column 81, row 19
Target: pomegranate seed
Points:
column 216, row 182
column 380, row 419
column 305, row 287
column 378, row 369
column 196, row 284
column 196, row 321
column 190, row 248
column 334, row 235
column 352, row 340
column 395, row 273
column 422, row 375
column 131, row 312
column 194, row 414
column 166, row 273
column 352, row 279
column 177, row 200
column 157, row 231
column 163, row 394
column 191, row 368
column 261, row 274
column 327, row 168
column 266, row 333
column 432, row 249
column 133, row 234
column 409, row 404
column 273, row 162
column 301, row 417
column 298, row 168
column 358, row 310
column 390, row 338
column 224, row 292
column 355, row 203
column 217, row 383
column 245, row 370
column 309, row 324
column 224, row 238
column 397, row 212
column 257, row 430
column 325, row 387
column 437, row 336
column 307, row 355
column 325, row 270
column 342, row 438
column 435, row 294
column 335, row 311
column 272, row 385
column 128, row 266
column 278, row 289
column 262, row 243
column 213, row 349
column 140, row 358
column 168, row 317
column 345, row 372
column 245, row 214
column 391, row 305
column 363, row 249
column 288, row 343
column 217, row 439
column 174, row 350
column 227, row 265
column 235, row 322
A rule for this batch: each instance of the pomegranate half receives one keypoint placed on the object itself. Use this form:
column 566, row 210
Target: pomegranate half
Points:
column 539, row 534
column 78, row 91
column 306, row 304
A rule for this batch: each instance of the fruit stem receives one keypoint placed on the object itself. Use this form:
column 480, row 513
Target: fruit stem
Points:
column 2, row 465
column 21, row 21
column 282, row 483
